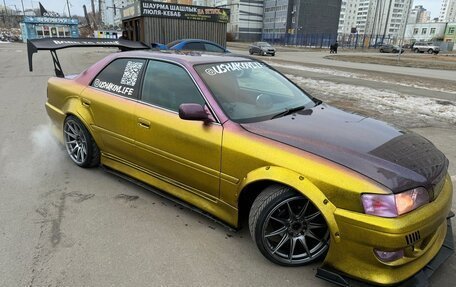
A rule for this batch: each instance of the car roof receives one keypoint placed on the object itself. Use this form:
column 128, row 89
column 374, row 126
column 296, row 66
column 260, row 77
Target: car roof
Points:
column 186, row 58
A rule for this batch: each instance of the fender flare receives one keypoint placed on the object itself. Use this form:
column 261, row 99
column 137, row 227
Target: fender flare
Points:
column 73, row 106
column 301, row 184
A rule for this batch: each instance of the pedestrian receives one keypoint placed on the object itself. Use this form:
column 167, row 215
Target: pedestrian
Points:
column 331, row 49
column 335, row 46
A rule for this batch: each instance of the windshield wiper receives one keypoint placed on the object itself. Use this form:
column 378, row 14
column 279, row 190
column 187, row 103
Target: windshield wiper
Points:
column 288, row 112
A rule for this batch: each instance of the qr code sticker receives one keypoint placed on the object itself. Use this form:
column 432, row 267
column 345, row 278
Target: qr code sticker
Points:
column 131, row 73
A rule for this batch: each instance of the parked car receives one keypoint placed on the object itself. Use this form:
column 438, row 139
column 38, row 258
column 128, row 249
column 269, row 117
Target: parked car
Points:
column 313, row 181
column 262, row 48
column 192, row 45
column 391, row 49
column 430, row 48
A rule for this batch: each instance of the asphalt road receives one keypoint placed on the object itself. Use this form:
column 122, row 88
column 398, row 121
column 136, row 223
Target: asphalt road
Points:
column 61, row 225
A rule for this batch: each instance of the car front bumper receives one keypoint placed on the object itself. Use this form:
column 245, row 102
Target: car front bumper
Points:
column 423, row 235
column 420, row 279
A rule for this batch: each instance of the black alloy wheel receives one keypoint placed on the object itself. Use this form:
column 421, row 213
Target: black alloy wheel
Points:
column 287, row 227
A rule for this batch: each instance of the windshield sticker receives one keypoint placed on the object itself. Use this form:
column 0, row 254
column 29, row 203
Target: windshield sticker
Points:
column 110, row 87
column 131, row 73
column 233, row 66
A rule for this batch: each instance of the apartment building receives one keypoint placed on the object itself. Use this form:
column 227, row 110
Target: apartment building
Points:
column 385, row 18
column 119, row 4
column 209, row 3
column 448, row 11
column 246, row 18
column 299, row 17
column 419, row 14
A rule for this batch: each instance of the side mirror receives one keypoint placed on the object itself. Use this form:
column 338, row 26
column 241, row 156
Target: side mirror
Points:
column 193, row 112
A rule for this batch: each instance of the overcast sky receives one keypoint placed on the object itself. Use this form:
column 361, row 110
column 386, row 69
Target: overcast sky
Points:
column 59, row 6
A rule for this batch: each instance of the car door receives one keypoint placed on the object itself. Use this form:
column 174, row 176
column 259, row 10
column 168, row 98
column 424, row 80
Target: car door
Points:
column 111, row 100
column 184, row 153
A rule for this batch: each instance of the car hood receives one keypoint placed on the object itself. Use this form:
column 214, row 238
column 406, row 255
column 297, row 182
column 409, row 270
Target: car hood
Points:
column 397, row 159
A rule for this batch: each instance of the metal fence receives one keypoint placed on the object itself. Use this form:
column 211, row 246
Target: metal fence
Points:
column 365, row 40
column 301, row 40
column 325, row 40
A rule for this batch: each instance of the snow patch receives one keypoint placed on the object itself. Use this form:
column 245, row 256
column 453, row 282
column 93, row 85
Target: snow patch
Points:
column 360, row 76
column 379, row 99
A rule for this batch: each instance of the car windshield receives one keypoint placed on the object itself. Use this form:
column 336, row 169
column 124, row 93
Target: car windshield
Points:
column 264, row 44
column 250, row 91
column 173, row 43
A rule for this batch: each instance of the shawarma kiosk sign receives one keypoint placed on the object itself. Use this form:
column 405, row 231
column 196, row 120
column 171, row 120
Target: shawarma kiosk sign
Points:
column 176, row 11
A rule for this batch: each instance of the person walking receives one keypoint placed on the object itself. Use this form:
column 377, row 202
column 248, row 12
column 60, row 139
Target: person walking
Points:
column 335, row 46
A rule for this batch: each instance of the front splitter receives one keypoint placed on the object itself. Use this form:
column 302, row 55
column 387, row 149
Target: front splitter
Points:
column 420, row 279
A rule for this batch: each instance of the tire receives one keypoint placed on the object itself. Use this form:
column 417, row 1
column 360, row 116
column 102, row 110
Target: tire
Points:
column 287, row 227
column 79, row 143
column 381, row 51
column 436, row 52
column 416, row 50
column 273, row 54
column 250, row 52
column 430, row 51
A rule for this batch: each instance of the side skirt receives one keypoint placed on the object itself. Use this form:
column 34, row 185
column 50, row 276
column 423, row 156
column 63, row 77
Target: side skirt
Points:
column 227, row 213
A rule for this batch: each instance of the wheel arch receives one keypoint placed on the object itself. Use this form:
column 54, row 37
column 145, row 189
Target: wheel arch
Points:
column 81, row 117
column 257, row 180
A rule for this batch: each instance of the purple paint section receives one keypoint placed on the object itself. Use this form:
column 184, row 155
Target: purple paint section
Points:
column 400, row 160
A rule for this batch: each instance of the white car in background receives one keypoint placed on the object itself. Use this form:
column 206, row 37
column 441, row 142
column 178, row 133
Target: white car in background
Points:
column 430, row 48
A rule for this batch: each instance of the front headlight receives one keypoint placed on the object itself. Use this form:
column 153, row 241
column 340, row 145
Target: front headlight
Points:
column 393, row 205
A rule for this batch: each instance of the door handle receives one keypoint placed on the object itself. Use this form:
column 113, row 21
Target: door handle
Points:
column 144, row 123
column 85, row 102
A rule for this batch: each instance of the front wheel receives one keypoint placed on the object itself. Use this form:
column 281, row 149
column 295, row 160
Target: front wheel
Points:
column 250, row 52
column 430, row 51
column 416, row 50
column 287, row 227
column 79, row 143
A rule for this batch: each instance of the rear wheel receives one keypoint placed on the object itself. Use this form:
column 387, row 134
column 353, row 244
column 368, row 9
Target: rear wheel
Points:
column 79, row 143
column 287, row 227
column 250, row 52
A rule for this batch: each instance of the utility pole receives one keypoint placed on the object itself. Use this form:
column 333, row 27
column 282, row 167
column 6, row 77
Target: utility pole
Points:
column 69, row 13
column 401, row 41
column 23, row 10
column 4, row 7
column 94, row 15
column 99, row 12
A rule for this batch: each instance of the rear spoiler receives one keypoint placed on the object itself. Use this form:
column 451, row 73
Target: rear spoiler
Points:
column 53, row 44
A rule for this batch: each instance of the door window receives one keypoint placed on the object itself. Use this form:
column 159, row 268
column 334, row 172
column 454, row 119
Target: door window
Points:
column 168, row 86
column 213, row 48
column 120, row 77
column 195, row 46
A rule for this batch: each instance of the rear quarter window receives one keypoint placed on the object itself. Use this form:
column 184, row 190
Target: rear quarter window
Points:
column 121, row 77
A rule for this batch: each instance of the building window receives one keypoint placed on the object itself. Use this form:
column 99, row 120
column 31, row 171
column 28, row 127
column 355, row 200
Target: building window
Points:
column 451, row 30
column 432, row 31
column 415, row 31
column 423, row 31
